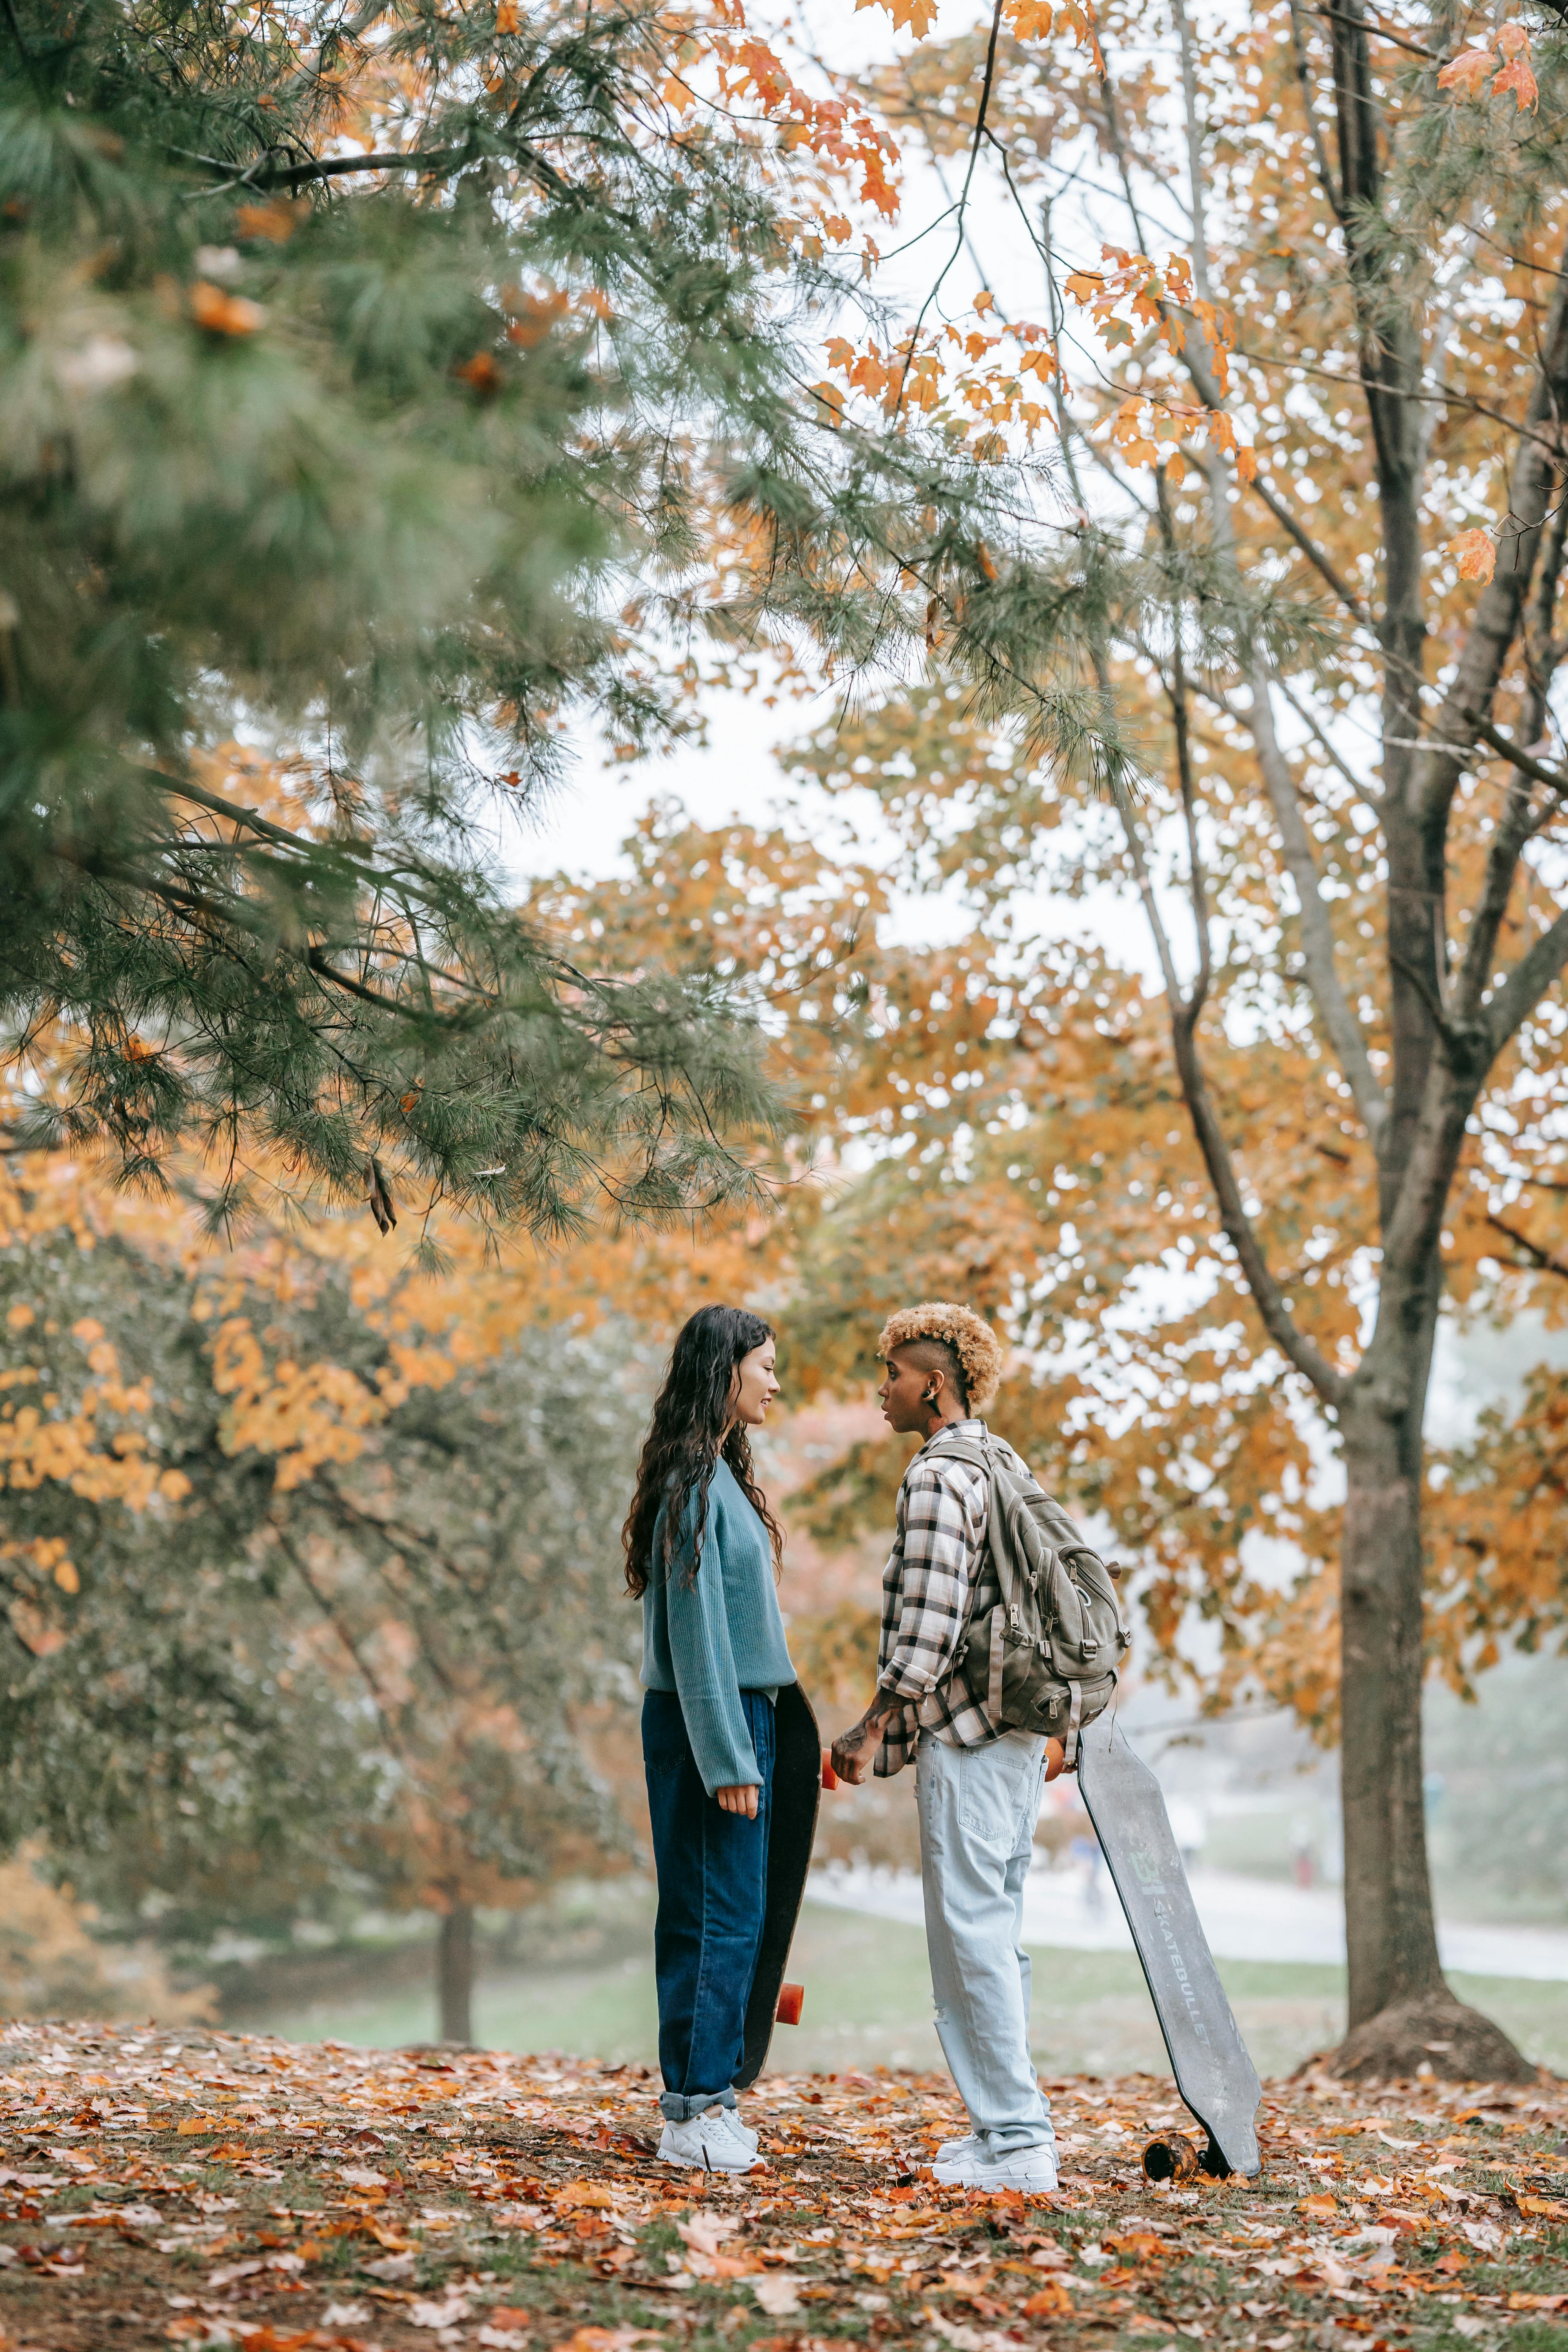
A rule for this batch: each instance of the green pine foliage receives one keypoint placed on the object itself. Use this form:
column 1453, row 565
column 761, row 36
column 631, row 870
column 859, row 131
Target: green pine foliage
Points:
column 392, row 473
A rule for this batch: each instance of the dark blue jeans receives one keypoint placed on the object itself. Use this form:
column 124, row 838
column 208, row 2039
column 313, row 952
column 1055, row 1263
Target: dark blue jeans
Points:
column 712, row 1872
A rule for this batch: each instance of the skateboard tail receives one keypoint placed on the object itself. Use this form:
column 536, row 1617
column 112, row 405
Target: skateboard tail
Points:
column 1208, row 2057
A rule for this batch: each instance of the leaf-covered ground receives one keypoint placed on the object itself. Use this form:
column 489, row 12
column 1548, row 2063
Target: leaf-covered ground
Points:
column 207, row 2189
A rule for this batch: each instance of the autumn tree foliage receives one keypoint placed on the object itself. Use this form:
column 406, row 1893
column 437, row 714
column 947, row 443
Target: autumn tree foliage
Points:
column 1312, row 388
column 386, row 388
column 311, row 1566
column 301, row 1605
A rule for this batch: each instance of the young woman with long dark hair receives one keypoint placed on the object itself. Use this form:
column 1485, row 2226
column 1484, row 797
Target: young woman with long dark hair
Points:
column 702, row 1554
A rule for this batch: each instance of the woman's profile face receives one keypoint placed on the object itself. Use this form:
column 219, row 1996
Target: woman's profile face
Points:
column 754, row 1387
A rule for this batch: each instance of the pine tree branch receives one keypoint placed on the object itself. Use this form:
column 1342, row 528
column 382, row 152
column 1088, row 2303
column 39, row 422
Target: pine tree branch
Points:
column 424, row 1013
column 332, row 167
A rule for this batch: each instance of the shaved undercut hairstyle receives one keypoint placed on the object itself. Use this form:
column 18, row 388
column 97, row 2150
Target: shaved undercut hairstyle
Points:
column 941, row 1336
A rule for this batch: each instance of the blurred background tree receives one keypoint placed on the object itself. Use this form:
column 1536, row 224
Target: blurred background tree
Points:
column 359, row 1671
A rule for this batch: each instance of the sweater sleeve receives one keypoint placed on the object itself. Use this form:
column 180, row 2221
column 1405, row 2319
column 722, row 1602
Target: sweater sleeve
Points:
column 704, row 1662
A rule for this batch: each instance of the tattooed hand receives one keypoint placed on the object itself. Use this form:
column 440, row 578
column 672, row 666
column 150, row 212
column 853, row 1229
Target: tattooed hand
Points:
column 854, row 1749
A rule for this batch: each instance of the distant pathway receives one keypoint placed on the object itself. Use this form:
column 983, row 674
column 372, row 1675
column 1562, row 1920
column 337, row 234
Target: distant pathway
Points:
column 1245, row 1919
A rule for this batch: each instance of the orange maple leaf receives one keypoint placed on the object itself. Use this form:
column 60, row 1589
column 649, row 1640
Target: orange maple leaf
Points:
column 1467, row 72
column 919, row 15
column 1477, row 555
column 1516, row 76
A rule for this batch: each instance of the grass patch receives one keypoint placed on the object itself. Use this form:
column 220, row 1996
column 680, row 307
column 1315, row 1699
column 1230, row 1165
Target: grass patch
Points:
column 868, row 2003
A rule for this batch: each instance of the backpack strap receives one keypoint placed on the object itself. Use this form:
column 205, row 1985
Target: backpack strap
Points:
column 979, row 1454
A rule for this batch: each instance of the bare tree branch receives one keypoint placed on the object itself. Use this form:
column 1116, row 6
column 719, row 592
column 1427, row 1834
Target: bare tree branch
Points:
column 1537, row 467
column 1516, row 753
column 1546, row 1259
column 1268, row 1297
column 1527, row 983
column 1312, row 552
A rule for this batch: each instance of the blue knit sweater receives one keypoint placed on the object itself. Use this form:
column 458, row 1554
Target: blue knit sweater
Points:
column 711, row 1638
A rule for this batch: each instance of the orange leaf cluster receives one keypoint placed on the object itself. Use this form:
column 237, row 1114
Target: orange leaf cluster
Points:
column 955, row 370
column 838, row 133
column 1469, row 72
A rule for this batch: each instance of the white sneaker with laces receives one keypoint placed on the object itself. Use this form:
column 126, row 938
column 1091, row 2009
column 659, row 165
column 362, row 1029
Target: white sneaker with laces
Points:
column 954, row 2151
column 1031, row 2169
column 714, row 2141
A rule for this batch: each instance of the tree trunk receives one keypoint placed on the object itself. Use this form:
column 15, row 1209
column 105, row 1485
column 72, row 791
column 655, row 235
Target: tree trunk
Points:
column 455, row 1974
column 1402, row 2013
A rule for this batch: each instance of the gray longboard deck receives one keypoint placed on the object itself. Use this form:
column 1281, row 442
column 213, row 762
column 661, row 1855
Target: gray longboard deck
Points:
column 797, row 1792
column 1208, row 2057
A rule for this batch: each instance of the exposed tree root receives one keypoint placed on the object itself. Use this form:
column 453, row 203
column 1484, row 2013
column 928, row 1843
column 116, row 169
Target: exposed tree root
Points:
column 1434, row 2031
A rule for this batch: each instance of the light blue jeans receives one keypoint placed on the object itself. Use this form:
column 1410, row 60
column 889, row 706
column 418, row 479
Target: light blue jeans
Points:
column 978, row 1807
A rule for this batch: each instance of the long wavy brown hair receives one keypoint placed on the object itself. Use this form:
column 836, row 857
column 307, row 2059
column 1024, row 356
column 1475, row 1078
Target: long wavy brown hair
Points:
column 687, row 1441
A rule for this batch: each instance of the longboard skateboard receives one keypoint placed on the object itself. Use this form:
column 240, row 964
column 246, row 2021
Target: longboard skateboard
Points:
column 798, row 1791
column 1208, row 2057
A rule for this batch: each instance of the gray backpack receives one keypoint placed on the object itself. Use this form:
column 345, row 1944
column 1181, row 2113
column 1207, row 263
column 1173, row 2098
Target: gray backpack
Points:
column 1045, row 1656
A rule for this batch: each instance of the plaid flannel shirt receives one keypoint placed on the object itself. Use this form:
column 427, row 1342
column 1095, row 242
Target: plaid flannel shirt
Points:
column 940, row 1550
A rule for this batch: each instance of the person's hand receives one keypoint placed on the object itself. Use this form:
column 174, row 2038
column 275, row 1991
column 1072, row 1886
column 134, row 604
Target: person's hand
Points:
column 740, row 1798
column 851, row 1758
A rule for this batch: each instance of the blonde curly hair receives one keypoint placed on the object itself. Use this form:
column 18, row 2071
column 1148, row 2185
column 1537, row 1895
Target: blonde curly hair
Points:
column 971, row 1339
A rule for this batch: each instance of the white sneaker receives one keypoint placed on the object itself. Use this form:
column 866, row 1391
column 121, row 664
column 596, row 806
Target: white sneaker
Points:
column 956, row 2151
column 714, row 2141
column 1032, row 2169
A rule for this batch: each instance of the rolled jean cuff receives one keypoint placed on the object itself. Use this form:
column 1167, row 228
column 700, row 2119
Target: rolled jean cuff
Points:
column 678, row 2106
column 1013, row 2139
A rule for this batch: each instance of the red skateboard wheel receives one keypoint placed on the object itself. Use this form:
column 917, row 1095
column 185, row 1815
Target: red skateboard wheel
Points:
column 829, row 1777
column 792, row 1999
column 1055, row 1757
